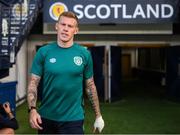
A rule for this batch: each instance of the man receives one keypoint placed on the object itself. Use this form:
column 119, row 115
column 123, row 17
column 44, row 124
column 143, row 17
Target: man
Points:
column 8, row 123
column 64, row 66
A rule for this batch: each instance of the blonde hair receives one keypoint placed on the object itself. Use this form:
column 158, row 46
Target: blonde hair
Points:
column 70, row 15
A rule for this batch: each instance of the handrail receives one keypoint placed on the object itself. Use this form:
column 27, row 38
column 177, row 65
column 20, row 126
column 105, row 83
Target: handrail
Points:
column 19, row 18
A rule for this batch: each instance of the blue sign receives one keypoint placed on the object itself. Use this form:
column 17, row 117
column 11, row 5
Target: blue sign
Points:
column 114, row 11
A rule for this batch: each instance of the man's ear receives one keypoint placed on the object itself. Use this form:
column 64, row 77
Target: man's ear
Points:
column 56, row 26
column 77, row 30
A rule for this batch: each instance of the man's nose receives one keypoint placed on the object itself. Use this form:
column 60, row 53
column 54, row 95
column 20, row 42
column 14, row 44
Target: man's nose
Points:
column 65, row 28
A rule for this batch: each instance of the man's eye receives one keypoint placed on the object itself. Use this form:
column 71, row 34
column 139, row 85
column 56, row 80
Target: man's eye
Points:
column 70, row 26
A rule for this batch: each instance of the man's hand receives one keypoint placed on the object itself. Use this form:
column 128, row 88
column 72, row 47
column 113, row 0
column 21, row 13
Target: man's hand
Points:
column 35, row 119
column 6, row 107
column 98, row 124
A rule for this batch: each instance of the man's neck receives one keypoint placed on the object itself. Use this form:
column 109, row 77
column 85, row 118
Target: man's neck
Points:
column 65, row 45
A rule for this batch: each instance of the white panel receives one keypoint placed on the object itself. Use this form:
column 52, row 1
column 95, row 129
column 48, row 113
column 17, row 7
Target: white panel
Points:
column 21, row 72
column 12, row 75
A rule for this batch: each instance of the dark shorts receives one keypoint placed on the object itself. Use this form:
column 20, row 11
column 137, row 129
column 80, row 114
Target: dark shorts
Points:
column 55, row 127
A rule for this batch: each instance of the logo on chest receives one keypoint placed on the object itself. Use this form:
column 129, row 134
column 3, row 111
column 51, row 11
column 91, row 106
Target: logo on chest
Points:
column 52, row 60
column 78, row 60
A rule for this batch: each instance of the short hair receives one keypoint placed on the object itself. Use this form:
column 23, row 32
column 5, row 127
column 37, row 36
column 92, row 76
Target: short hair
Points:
column 70, row 15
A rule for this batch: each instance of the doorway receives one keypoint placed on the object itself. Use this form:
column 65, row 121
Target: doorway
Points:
column 126, row 65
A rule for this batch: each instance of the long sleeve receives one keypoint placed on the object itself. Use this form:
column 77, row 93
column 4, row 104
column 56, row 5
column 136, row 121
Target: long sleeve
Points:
column 9, row 123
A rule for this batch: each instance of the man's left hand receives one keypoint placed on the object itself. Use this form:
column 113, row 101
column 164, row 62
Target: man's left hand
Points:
column 98, row 124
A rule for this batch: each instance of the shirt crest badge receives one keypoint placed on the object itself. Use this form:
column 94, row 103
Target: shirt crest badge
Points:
column 78, row 60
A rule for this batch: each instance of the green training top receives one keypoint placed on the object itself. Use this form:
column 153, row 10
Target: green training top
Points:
column 63, row 71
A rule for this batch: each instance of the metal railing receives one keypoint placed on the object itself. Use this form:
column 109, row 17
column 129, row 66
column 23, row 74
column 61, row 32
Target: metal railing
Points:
column 16, row 21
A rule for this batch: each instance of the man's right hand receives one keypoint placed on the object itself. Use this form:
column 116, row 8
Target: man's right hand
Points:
column 35, row 119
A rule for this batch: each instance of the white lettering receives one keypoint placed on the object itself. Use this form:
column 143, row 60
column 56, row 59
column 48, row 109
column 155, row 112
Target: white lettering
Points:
column 86, row 11
column 116, row 6
column 77, row 10
column 165, row 7
column 139, row 11
column 103, row 11
column 150, row 10
column 108, row 11
column 124, row 12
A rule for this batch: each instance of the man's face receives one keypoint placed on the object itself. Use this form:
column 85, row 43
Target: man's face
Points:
column 66, row 28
